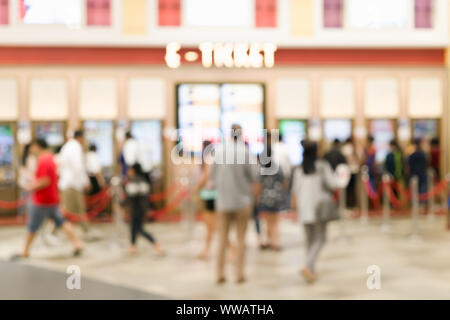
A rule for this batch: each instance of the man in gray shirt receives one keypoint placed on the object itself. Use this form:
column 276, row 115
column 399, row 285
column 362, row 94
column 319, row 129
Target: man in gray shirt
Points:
column 235, row 175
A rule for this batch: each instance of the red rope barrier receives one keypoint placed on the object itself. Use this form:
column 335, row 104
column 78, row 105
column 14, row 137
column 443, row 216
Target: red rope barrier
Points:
column 92, row 199
column 165, row 194
column 91, row 214
column 407, row 193
column 10, row 205
column 173, row 204
column 373, row 195
column 393, row 199
column 435, row 191
column 427, row 195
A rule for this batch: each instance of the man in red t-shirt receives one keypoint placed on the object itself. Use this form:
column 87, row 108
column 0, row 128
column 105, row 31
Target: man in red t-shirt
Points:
column 46, row 197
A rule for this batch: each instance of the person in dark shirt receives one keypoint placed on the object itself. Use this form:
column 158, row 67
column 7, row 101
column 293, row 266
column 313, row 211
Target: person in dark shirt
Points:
column 369, row 154
column 394, row 162
column 417, row 163
column 334, row 156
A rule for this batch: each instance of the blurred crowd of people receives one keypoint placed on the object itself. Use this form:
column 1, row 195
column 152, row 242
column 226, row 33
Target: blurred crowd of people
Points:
column 262, row 190
column 416, row 159
column 57, row 183
column 234, row 185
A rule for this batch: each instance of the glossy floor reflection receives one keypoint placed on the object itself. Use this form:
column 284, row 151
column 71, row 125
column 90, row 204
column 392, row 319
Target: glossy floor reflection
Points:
column 410, row 268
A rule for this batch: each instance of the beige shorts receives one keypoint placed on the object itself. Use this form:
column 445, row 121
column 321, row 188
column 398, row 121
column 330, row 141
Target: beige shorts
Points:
column 73, row 201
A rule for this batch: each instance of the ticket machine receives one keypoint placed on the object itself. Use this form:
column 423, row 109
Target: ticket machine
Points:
column 340, row 129
column 8, row 166
column 293, row 132
column 101, row 134
column 383, row 131
column 54, row 132
column 149, row 134
column 425, row 128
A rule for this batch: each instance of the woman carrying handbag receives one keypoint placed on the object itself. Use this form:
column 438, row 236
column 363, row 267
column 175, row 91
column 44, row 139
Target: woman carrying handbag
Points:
column 312, row 199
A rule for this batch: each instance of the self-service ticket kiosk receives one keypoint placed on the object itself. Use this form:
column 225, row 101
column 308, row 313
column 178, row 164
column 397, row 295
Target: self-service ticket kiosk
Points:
column 383, row 131
column 149, row 135
column 101, row 134
column 293, row 132
column 8, row 166
column 54, row 132
column 340, row 129
column 425, row 129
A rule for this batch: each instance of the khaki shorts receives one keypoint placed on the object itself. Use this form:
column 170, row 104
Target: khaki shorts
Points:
column 73, row 201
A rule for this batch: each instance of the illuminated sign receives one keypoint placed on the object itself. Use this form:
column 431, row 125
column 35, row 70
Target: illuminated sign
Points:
column 237, row 55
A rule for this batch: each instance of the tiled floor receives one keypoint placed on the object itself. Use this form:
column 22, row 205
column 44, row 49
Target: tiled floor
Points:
column 410, row 269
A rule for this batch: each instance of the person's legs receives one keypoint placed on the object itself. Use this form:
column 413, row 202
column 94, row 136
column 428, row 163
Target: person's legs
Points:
column 73, row 202
column 319, row 238
column 242, row 218
column 423, row 189
column 276, row 231
column 269, row 224
column 149, row 237
column 28, row 242
column 257, row 224
column 351, row 192
column 223, row 222
column 134, row 229
column 209, row 220
column 309, row 233
column 66, row 226
column 36, row 217
column 80, row 206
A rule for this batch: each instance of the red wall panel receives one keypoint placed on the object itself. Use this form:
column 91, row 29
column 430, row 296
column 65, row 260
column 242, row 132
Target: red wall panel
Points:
column 266, row 13
column 169, row 12
column 4, row 12
column 98, row 12
column 155, row 56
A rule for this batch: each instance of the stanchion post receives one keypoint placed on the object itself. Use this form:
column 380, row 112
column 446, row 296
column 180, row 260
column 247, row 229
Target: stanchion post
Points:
column 364, row 196
column 415, row 208
column 385, row 225
column 431, row 208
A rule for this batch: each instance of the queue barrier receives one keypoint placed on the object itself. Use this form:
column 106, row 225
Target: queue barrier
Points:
column 13, row 205
column 406, row 195
column 100, row 201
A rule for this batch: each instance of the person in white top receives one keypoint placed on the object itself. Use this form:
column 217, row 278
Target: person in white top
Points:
column 281, row 156
column 73, row 176
column 26, row 175
column 133, row 152
column 94, row 170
